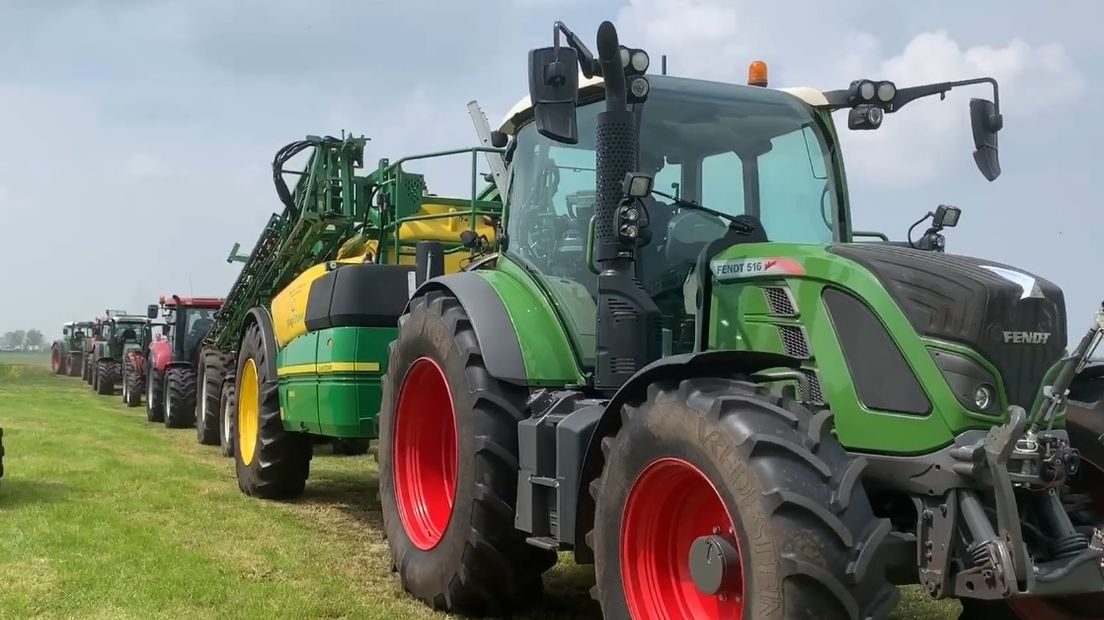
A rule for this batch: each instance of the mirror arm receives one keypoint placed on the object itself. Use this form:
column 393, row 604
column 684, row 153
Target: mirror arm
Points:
column 587, row 65
column 840, row 99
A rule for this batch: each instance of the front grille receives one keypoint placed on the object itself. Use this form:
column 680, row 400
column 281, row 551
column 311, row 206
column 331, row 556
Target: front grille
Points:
column 780, row 301
column 794, row 341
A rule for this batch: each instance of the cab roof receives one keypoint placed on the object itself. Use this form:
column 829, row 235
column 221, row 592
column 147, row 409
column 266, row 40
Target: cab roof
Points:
column 173, row 301
column 523, row 109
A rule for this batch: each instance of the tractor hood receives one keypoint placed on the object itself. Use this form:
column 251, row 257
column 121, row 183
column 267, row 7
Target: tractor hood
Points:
column 1014, row 319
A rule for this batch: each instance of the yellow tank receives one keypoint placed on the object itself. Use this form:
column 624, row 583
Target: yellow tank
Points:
column 289, row 306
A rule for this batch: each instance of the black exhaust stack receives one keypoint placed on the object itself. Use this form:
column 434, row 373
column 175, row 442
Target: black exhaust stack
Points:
column 628, row 330
column 628, row 325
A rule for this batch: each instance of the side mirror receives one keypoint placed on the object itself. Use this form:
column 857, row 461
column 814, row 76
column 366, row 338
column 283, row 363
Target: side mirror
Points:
column 946, row 216
column 498, row 139
column 985, row 123
column 554, row 91
column 152, row 310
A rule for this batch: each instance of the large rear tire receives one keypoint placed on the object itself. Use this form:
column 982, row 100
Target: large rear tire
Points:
column 180, row 394
column 212, row 371
column 155, row 395
column 271, row 463
column 106, row 377
column 226, row 417
column 57, row 360
column 721, row 466
column 448, row 468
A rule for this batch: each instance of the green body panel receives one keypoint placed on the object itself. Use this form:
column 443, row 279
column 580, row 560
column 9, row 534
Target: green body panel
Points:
column 330, row 380
column 545, row 346
column 739, row 322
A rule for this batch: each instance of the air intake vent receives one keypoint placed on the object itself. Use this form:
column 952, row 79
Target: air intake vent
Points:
column 814, row 396
column 794, row 341
column 780, row 301
column 623, row 365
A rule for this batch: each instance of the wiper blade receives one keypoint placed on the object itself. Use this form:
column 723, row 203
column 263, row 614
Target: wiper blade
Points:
column 733, row 222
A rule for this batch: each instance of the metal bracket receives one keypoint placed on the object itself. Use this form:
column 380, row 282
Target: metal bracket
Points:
column 938, row 518
column 999, row 445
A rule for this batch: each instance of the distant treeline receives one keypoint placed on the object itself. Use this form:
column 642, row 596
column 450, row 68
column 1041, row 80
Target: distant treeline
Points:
column 22, row 340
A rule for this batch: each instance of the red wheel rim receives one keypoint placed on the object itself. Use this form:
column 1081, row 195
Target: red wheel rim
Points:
column 55, row 360
column 670, row 504
column 424, row 453
column 1084, row 606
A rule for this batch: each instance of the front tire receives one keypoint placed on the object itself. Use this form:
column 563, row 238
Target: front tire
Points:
column 132, row 385
column 714, row 464
column 226, row 418
column 155, row 395
column 105, row 377
column 448, row 468
column 271, row 463
column 180, row 394
column 212, row 371
column 73, row 366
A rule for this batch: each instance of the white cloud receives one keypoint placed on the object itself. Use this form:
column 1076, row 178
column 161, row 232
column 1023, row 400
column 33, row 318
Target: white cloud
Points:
column 715, row 39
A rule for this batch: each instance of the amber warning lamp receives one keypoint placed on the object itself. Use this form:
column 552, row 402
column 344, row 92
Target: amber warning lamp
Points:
column 757, row 73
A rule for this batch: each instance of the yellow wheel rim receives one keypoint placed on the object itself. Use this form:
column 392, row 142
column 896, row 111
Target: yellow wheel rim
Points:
column 247, row 412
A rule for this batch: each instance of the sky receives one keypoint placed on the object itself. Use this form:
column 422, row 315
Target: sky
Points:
column 140, row 133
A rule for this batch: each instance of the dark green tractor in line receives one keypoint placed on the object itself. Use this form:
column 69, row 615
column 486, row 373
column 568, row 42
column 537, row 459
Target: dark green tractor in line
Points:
column 66, row 353
column 118, row 333
column 717, row 396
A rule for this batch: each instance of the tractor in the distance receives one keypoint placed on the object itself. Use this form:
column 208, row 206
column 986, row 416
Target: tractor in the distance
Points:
column 65, row 354
column 135, row 364
column 171, row 363
column 712, row 393
column 116, row 334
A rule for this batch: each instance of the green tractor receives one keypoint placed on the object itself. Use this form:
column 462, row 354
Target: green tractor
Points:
column 65, row 354
column 117, row 334
column 712, row 392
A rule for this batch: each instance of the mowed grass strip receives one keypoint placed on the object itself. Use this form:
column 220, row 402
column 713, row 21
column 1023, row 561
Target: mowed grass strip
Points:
column 104, row 515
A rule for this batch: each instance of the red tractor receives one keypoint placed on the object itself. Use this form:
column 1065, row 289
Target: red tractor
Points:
column 170, row 366
column 134, row 366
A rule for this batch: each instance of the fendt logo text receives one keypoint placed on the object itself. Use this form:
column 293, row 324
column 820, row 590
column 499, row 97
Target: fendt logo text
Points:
column 1026, row 337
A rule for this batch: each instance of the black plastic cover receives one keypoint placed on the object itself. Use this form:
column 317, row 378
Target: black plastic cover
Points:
column 359, row 295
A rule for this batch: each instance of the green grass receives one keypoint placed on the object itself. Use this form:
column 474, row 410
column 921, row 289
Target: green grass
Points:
column 103, row 515
column 24, row 359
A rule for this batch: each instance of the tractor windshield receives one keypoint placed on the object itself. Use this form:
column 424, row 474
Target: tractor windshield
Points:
column 734, row 149
column 197, row 322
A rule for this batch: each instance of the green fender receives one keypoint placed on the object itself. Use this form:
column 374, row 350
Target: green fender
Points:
column 520, row 333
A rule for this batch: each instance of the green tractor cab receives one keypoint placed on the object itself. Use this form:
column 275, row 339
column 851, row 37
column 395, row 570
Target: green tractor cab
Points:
column 115, row 335
column 681, row 365
column 66, row 353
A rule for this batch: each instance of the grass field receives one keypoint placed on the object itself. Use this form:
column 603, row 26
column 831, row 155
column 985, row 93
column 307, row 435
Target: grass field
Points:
column 104, row 515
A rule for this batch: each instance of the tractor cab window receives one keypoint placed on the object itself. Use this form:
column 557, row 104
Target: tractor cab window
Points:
column 197, row 322
column 734, row 149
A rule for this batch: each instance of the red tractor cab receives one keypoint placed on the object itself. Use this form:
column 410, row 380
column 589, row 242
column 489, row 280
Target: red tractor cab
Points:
column 170, row 366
